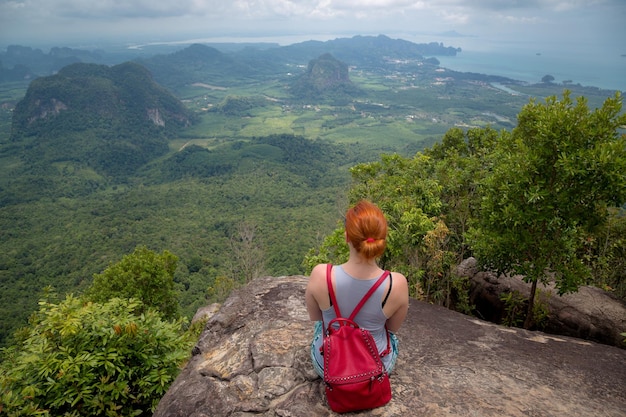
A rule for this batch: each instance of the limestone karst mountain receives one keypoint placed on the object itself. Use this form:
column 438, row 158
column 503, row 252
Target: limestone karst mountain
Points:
column 325, row 78
column 113, row 119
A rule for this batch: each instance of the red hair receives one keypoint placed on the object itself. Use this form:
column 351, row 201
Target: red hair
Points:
column 366, row 229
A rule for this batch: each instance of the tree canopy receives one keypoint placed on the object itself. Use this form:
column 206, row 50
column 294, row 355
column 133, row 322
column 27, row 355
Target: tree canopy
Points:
column 554, row 177
column 143, row 275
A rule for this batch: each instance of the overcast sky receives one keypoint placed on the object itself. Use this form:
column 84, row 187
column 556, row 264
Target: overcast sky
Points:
column 45, row 22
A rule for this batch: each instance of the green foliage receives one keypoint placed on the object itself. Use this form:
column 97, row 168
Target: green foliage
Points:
column 221, row 288
column 307, row 159
column 604, row 251
column 459, row 293
column 541, row 311
column 239, row 106
column 194, row 161
column 333, row 249
column 79, row 358
column 516, row 309
column 553, row 178
column 143, row 275
column 439, row 260
column 459, row 164
column 67, row 240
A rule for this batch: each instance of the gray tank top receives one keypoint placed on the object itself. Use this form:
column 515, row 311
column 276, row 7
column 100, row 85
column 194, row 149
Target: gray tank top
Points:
column 349, row 291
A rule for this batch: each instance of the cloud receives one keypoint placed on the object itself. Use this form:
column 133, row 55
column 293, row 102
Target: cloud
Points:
column 108, row 9
column 46, row 18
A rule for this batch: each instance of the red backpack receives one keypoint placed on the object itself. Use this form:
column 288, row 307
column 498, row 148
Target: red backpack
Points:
column 354, row 374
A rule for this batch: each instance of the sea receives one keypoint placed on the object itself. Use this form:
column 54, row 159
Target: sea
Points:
column 601, row 66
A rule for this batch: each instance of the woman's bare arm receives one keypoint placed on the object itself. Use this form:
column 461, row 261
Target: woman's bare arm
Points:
column 314, row 290
column 398, row 305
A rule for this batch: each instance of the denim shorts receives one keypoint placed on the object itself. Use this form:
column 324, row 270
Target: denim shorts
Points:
column 317, row 333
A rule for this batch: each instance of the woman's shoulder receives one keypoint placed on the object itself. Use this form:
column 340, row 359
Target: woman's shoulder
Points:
column 399, row 281
column 319, row 270
column 395, row 274
column 318, row 274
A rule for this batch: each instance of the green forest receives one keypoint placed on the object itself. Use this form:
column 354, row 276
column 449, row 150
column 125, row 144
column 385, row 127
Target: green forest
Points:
column 138, row 191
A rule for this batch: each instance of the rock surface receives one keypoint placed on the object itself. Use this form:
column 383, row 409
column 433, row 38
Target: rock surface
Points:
column 253, row 360
column 590, row 313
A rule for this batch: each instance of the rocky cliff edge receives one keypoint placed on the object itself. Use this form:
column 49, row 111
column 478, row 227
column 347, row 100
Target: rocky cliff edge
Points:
column 253, row 360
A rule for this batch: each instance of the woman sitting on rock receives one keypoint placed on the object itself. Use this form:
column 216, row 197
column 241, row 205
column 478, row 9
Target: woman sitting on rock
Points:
column 385, row 310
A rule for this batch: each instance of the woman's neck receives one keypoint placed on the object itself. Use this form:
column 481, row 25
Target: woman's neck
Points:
column 360, row 267
column 362, row 262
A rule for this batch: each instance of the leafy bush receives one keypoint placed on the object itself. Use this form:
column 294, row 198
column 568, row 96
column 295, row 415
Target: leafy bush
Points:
column 80, row 358
column 516, row 306
column 605, row 252
column 143, row 275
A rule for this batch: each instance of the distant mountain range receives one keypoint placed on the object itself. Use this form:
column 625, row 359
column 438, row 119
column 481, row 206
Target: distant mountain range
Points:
column 18, row 63
column 202, row 63
column 365, row 50
column 115, row 118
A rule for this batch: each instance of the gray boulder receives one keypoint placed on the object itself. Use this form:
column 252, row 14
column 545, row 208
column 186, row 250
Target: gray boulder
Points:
column 205, row 313
column 590, row 313
column 253, row 360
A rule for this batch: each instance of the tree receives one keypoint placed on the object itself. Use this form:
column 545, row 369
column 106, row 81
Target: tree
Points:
column 553, row 179
column 144, row 275
column 459, row 164
column 221, row 288
column 247, row 259
column 547, row 79
column 79, row 358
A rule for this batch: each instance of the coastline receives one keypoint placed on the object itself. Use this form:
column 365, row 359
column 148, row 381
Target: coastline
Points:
column 530, row 67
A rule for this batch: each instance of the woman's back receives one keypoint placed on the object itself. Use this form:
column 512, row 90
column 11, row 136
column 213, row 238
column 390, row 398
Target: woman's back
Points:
column 349, row 291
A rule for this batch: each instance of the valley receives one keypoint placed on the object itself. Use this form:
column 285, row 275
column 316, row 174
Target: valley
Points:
column 256, row 157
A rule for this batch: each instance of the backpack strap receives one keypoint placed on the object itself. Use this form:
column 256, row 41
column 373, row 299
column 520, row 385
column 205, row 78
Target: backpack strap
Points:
column 331, row 291
column 362, row 302
column 333, row 298
column 368, row 295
